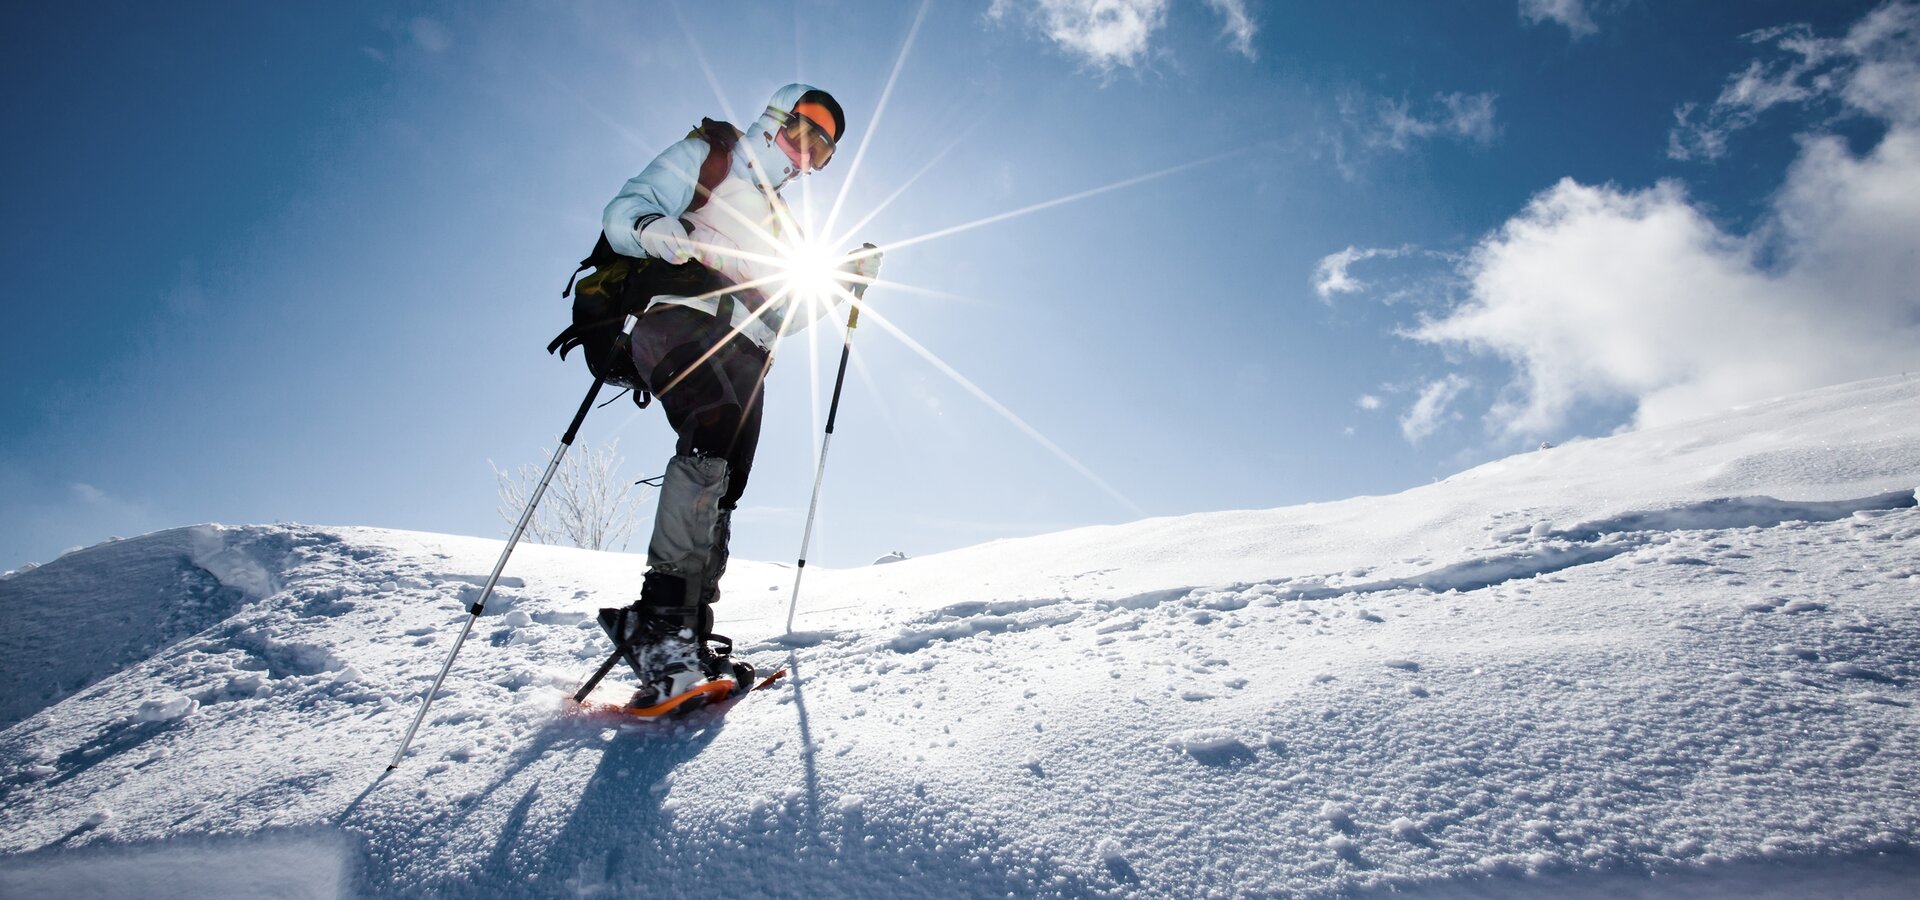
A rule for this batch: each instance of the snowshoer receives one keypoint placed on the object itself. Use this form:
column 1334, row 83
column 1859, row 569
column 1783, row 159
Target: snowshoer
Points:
column 703, row 346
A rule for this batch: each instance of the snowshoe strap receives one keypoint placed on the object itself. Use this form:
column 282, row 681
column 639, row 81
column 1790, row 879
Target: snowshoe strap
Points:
column 716, row 657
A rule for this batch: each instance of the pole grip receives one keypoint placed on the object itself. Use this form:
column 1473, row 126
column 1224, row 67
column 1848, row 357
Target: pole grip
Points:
column 586, row 406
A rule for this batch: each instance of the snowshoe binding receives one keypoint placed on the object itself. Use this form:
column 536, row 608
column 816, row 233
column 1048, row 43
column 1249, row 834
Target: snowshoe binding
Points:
column 677, row 671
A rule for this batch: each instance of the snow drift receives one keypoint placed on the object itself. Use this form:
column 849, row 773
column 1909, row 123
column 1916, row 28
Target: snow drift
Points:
column 1675, row 662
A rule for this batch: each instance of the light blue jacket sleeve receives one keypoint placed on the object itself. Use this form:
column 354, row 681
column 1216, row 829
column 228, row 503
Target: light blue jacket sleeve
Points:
column 664, row 187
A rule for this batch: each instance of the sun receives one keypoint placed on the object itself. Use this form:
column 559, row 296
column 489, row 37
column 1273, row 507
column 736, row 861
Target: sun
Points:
column 810, row 271
column 801, row 271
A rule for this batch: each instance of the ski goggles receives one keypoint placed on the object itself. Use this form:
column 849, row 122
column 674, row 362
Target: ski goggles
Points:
column 804, row 129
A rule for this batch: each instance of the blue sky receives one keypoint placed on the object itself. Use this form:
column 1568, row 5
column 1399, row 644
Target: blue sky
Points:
column 270, row 263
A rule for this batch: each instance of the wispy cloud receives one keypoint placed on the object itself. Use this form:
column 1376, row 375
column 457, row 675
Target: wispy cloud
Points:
column 1372, row 125
column 1238, row 25
column 1574, row 15
column 103, row 512
column 405, row 37
column 1431, row 409
column 430, row 35
column 1110, row 34
column 1332, row 277
column 1870, row 70
column 1396, row 125
column 90, row 495
column 1334, row 273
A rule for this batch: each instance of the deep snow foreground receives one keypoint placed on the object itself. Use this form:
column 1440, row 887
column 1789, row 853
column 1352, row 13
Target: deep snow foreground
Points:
column 1672, row 663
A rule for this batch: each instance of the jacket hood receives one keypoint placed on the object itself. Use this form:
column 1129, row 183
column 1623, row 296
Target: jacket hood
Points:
column 758, row 140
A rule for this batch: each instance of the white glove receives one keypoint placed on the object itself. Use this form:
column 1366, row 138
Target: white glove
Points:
column 665, row 240
column 864, row 264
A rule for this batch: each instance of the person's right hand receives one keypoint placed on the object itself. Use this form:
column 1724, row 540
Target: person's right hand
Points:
column 664, row 239
column 863, row 263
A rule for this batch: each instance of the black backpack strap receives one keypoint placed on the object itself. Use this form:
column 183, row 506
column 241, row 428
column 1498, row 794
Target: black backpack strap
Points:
column 567, row 291
column 602, row 255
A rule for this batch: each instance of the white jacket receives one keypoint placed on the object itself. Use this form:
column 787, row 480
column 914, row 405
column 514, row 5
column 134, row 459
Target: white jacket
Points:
column 743, row 218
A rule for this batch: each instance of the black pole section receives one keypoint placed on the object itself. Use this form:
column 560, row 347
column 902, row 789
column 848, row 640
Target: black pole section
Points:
column 586, row 406
column 480, row 605
column 846, row 351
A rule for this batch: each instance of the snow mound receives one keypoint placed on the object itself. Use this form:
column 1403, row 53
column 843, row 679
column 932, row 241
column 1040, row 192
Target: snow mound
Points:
column 1212, row 746
column 99, row 610
column 1673, row 663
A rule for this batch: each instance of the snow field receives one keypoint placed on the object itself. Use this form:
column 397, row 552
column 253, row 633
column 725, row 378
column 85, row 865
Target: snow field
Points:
column 1617, row 668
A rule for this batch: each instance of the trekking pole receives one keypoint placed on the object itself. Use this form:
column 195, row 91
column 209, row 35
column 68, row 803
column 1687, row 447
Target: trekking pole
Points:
column 833, row 410
column 480, row 605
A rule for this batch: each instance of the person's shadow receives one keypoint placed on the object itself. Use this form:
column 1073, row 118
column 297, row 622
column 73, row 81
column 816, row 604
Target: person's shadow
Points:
column 619, row 839
column 617, row 815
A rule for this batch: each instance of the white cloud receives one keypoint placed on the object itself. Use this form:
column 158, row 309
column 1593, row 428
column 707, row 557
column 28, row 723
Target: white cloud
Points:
column 1573, row 14
column 1238, row 27
column 1871, row 70
column 1600, row 295
column 1429, row 412
column 1106, row 33
column 1368, row 402
column 1596, row 294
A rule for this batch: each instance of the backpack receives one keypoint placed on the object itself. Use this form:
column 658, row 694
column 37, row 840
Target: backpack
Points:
column 623, row 286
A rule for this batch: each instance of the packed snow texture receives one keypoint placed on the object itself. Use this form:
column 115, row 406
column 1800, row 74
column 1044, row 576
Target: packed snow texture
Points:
column 1679, row 662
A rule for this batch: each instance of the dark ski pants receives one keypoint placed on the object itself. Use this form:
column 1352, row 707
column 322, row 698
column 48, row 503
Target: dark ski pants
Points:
column 709, row 382
column 712, row 397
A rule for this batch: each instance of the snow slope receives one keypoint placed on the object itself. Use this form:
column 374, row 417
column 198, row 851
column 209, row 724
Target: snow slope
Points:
column 1679, row 662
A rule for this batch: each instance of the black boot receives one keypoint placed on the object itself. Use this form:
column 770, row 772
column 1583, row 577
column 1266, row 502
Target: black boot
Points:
column 661, row 647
